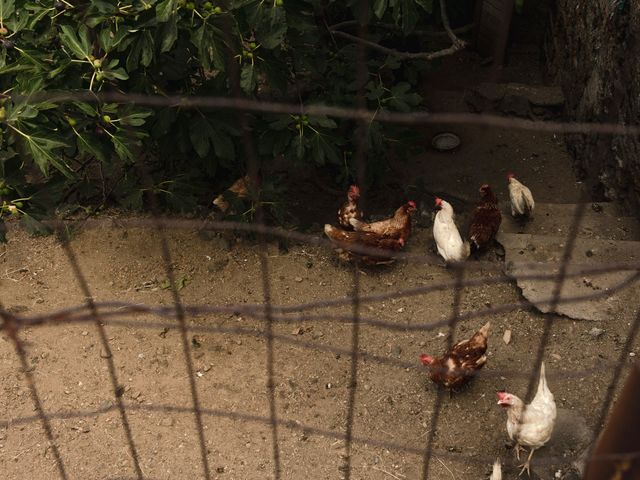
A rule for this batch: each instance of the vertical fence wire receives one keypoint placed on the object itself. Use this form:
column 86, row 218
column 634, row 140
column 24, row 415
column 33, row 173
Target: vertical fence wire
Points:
column 11, row 328
column 437, row 406
column 104, row 340
column 360, row 166
column 179, row 315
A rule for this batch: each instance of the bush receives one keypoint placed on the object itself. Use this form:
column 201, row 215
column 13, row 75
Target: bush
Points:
column 73, row 153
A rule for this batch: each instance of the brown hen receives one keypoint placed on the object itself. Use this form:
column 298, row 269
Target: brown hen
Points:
column 456, row 367
column 350, row 208
column 398, row 226
column 485, row 220
column 348, row 245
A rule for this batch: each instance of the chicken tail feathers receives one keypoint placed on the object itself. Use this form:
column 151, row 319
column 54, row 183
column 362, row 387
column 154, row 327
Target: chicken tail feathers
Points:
column 542, row 383
column 497, row 470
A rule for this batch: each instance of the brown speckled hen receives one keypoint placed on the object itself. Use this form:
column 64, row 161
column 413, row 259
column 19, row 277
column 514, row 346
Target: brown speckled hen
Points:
column 346, row 242
column 350, row 209
column 485, row 220
column 398, row 226
column 456, row 367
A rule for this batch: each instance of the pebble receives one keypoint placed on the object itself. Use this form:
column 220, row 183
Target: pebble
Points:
column 596, row 332
column 298, row 279
column 400, row 310
column 104, row 353
column 506, row 338
column 297, row 331
column 85, row 333
column 422, row 344
column 632, row 354
column 556, row 356
column 167, row 422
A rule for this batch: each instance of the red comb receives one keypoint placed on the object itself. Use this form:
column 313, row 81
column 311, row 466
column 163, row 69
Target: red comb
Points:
column 510, row 175
column 426, row 359
column 438, row 201
column 411, row 203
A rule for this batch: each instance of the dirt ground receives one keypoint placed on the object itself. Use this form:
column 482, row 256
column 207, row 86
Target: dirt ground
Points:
column 394, row 399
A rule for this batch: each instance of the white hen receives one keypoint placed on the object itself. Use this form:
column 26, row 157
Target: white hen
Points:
column 448, row 240
column 497, row 471
column 522, row 204
column 530, row 425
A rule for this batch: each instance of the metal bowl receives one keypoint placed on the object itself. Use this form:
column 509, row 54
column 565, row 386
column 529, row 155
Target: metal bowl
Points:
column 445, row 142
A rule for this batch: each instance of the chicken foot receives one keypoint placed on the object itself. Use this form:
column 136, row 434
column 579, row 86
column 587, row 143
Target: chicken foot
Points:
column 527, row 464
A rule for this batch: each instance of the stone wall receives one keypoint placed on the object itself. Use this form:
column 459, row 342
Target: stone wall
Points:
column 593, row 53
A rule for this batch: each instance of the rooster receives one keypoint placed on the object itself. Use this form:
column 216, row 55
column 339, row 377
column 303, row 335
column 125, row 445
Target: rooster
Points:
column 350, row 208
column 398, row 226
column 445, row 233
column 522, row 204
column 496, row 474
column 485, row 220
column 530, row 425
column 456, row 367
column 346, row 242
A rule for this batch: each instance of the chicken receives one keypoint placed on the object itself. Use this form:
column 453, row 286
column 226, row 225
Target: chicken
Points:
column 456, row 367
column 350, row 208
column 485, row 220
column 530, row 425
column 496, row 474
column 346, row 242
column 240, row 189
column 522, row 204
column 445, row 233
column 398, row 226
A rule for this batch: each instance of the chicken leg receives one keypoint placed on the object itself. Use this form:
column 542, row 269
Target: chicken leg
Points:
column 527, row 464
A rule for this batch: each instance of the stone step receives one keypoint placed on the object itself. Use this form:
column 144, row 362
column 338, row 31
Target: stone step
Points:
column 600, row 221
column 527, row 254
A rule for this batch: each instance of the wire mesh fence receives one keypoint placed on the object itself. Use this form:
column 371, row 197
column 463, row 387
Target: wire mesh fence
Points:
column 177, row 315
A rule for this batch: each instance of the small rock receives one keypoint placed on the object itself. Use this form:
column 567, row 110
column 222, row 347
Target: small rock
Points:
column 207, row 368
column 85, row 333
column 596, row 332
column 506, row 338
column 328, row 386
column 167, row 422
column 556, row 356
column 219, row 469
column 632, row 354
column 422, row 344
column 297, row 331
column 400, row 310
column 298, row 279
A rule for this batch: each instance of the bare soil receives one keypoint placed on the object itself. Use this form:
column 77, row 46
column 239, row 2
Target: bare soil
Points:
column 312, row 364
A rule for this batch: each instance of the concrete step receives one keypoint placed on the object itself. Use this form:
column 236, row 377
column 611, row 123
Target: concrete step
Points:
column 527, row 254
column 600, row 221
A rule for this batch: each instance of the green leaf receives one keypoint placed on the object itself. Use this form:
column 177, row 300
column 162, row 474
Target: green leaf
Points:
column 117, row 74
column 427, row 5
column 379, row 7
column 199, row 133
column 272, row 27
column 323, row 122
column 165, row 9
column 223, row 146
column 33, row 226
column 7, row 7
column 122, row 150
column 248, row 80
column 169, row 34
column 89, row 145
column 204, row 38
column 80, row 44
column 41, row 149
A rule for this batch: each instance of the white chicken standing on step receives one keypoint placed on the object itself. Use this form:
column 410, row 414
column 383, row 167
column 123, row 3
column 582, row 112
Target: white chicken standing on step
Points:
column 530, row 425
column 522, row 204
column 497, row 471
column 445, row 233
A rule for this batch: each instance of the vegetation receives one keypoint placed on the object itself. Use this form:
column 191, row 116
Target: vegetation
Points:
column 85, row 153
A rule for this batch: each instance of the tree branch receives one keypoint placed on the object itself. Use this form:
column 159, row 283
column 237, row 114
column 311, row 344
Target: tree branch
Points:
column 397, row 53
column 391, row 26
column 457, row 44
